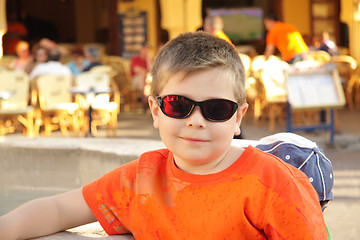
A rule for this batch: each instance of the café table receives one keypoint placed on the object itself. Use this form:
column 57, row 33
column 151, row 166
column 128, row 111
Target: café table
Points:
column 4, row 95
column 89, row 94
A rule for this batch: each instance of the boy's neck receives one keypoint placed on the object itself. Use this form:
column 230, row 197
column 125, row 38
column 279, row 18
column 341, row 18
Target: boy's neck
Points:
column 218, row 165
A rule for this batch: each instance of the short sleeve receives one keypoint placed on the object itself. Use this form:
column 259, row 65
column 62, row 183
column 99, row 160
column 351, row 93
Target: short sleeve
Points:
column 300, row 213
column 109, row 196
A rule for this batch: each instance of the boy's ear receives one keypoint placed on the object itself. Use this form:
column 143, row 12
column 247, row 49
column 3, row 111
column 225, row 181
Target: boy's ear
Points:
column 154, row 108
column 239, row 116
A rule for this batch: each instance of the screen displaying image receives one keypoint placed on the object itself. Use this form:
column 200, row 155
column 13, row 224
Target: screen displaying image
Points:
column 241, row 24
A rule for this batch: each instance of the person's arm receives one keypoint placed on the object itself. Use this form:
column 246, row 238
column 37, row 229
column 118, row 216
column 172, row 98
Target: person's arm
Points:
column 269, row 50
column 45, row 216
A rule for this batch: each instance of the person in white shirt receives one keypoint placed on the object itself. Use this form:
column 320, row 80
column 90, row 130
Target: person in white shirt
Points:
column 52, row 66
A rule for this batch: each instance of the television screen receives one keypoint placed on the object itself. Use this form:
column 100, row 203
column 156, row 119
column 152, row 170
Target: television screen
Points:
column 241, row 24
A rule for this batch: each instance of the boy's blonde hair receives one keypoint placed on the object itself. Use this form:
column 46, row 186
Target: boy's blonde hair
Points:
column 198, row 51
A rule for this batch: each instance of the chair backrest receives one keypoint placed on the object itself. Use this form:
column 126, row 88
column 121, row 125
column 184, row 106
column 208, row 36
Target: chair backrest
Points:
column 319, row 56
column 6, row 60
column 246, row 61
column 346, row 66
column 272, row 76
column 17, row 84
column 54, row 89
column 122, row 68
column 104, row 69
column 92, row 80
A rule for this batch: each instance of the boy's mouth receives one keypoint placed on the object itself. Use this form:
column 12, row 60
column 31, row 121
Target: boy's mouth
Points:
column 194, row 140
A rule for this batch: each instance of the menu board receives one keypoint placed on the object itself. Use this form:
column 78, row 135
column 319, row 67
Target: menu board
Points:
column 133, row 32
column 317, row 87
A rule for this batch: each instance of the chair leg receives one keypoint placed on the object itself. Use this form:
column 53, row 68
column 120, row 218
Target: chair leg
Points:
column 47, row 126
column 2, row 129
column 349, row 101
column 28, row 123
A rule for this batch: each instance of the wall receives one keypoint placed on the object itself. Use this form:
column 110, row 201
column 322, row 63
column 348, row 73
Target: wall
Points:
column 84, row 18
column 179, row 16
column 352, row 19
column 297, row 12
column 54, row 18
column 2, row 24
column 90, row 17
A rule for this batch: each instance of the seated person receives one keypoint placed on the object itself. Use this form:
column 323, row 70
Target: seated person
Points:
column 92, row 53
column 52, row 66
column 214, row 25
column 78, row 62
column 24, row 57
column 327, row 45
column 140, row 66
column 40, row 55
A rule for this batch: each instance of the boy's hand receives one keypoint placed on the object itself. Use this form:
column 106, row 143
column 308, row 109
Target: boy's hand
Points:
column 45, row 216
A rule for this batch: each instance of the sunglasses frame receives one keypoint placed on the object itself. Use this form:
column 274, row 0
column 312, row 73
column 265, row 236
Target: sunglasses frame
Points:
column 234, row 105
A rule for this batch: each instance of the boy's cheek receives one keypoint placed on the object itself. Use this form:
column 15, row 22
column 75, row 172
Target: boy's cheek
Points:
column 156, row 122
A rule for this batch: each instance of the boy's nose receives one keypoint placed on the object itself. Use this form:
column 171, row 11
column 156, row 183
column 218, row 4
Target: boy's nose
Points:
column 196, row 119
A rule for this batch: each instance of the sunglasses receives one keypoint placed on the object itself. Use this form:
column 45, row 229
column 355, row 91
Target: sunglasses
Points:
column 214, row 110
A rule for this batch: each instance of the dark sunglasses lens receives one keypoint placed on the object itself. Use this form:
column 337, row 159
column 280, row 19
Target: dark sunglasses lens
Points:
column 176, row 106
column 218, row 109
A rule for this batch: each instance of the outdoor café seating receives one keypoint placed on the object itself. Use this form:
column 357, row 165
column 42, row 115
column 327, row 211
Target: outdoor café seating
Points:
column 17, row 104
column 55, row 101
column 347, row 67
column 123, row 80
column 93, row 93
column 270, row 102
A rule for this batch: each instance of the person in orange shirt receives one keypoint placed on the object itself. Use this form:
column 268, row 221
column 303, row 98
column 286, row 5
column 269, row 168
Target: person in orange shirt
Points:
column 200, row 186
column 214, row 25
column 286, row 38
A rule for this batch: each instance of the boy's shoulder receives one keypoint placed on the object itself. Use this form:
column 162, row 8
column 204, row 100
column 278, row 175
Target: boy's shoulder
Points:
column 155, row 154
column 276, row 165
column 154, row 157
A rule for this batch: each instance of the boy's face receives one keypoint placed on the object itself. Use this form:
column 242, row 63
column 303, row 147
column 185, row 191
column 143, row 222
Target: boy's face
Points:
column 195, row 141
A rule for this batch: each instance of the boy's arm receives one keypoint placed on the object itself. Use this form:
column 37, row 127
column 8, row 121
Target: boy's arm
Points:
column 45, row 216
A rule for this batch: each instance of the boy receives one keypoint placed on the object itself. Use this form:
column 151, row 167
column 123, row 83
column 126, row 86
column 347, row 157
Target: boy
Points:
column 200, row 187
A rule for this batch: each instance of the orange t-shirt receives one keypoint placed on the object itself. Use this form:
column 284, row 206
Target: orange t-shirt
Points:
column 287, row 39
column 257, row 197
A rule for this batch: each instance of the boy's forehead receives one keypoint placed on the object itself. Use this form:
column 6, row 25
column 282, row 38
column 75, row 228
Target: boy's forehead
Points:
column 198, row 80
column 209, row 73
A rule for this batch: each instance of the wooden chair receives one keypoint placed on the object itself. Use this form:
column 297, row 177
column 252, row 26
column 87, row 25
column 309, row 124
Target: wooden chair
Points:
column 97, row 94
column 6, row 60
column 17, row 108
column 111, row 72
column 271, row 101
column 346, row 66
column 251, row 83
column 123, row 79
column 246, row 61
column 319, row 56
column 55, row 100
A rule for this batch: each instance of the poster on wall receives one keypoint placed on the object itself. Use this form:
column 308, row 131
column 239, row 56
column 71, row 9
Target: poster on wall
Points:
column 133, row 32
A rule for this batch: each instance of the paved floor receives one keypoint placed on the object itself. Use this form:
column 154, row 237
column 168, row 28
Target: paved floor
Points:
column 342, row 214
